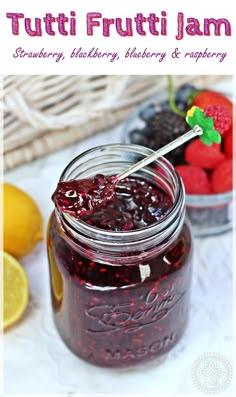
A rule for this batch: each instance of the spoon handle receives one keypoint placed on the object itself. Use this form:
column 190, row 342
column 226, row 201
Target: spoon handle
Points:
column 161, row 152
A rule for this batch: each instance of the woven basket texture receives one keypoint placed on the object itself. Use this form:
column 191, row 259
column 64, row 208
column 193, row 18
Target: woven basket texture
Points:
column 45, row 113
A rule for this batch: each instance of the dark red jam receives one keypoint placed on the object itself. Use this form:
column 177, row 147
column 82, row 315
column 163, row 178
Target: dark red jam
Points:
column 118, row 314
column 78, row 197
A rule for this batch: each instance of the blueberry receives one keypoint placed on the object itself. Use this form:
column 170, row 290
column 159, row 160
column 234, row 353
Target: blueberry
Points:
column 147, row 113
column 164, row 105
column 183, row 93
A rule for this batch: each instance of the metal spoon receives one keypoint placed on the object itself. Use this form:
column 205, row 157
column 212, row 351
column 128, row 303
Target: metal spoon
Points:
column 161, row 152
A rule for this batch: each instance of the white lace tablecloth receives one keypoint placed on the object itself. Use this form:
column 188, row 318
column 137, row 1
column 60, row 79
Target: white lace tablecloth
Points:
column 37, row 361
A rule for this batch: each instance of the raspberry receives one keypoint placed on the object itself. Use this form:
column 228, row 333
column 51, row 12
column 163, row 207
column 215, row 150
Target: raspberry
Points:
column 195, row 179
column 228, row 144
column 199, row 154
column 221, row 117
column 222, row 178
column 209, row 97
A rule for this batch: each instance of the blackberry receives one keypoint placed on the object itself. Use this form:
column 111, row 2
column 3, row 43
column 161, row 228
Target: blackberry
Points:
column 166, row 126
column 161, row 128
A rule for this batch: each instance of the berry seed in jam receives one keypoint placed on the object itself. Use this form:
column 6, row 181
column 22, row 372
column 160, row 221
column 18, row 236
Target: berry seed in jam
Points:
column 120, row 299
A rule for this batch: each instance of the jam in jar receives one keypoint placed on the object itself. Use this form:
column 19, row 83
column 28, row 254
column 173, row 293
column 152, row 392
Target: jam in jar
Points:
column 121, row 274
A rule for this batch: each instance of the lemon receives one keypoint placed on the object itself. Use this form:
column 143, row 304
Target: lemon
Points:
column 22, row 226
column 15, row 290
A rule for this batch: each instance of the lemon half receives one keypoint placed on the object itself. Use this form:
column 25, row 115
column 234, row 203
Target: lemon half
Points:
column 15, row 290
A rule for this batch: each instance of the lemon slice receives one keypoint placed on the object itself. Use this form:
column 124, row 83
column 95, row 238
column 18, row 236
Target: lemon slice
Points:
column 15, row 290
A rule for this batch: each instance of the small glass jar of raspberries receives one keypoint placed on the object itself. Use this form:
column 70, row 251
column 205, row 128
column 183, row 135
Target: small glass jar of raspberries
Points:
column 205, row 170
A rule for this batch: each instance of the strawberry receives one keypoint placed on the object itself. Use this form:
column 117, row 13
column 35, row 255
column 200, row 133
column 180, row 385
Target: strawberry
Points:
column 222, row 179
column 195, row 179
column 209, row 97
column 228, row 144
column 199, row 154
column 221, row 117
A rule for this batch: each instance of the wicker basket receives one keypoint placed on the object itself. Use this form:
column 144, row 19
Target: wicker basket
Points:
column 45, row 113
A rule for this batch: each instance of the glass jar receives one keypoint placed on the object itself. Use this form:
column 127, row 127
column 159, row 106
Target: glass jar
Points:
column 121, row 298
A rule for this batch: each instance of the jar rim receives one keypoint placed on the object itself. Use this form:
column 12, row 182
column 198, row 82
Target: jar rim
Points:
column 178, row 202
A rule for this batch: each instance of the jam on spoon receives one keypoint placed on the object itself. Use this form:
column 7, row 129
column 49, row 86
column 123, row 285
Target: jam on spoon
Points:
column 83, row 196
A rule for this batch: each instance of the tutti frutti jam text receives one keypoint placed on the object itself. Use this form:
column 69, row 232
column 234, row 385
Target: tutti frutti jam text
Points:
column 118, row 303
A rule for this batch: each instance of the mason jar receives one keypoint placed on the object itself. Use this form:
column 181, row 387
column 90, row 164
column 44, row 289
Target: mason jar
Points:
column 120, row 298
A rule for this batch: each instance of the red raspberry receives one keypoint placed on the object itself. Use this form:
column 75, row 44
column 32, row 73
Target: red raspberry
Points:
column 228, row 144
column 209, row 97
column 221, row 117
column 197, row 153
column 222, row 178
column 195, row 179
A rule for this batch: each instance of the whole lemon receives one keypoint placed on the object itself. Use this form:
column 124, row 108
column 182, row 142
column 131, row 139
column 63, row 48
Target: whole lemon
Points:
column 22, row 222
